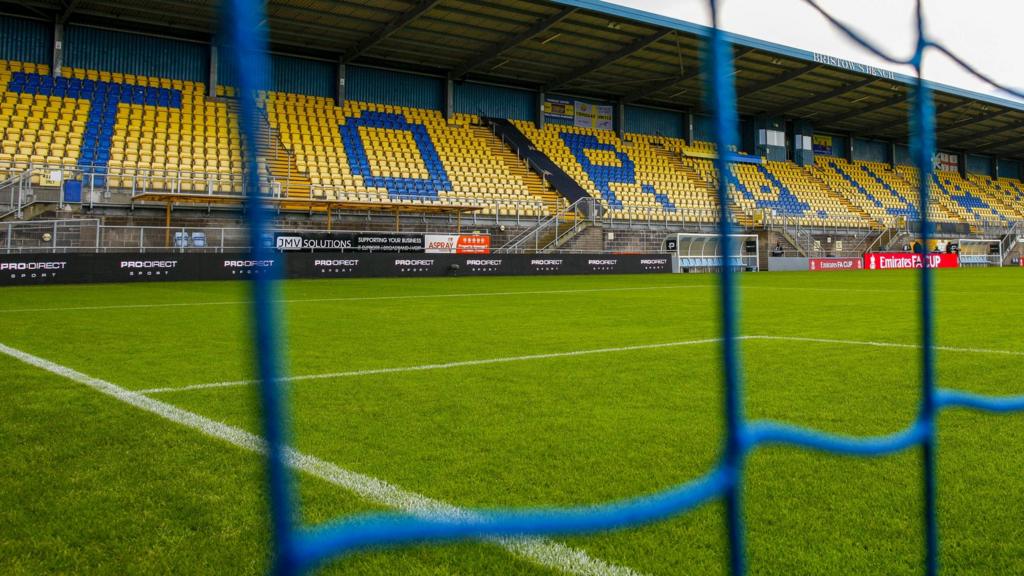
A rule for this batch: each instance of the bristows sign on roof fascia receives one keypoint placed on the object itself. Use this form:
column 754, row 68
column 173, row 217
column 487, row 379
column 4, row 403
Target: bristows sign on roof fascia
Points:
column 853, row 66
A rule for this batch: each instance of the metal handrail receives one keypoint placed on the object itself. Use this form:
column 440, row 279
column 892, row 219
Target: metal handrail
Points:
column 16, row 187
column 579, row 210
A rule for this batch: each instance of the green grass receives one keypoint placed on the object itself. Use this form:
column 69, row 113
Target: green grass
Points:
column 88, row 484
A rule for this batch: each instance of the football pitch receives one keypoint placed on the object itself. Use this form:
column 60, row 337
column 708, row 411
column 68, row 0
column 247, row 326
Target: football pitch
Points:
column 129, row 428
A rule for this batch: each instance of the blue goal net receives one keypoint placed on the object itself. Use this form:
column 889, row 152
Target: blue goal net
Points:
column 297, row 549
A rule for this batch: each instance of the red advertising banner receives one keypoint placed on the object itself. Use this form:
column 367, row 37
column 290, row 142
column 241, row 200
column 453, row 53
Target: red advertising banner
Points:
column 834, row 264
column 457, row 244
column 905, row 260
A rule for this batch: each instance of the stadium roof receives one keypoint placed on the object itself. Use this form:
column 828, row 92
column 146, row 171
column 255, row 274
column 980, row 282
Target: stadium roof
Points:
column 579, row 47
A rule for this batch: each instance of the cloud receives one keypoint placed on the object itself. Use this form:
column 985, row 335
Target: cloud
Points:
column 985, row 33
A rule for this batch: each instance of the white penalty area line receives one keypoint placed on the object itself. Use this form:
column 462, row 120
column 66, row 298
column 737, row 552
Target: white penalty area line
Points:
column 506, row 359
column 541, row 551
column 354, row 298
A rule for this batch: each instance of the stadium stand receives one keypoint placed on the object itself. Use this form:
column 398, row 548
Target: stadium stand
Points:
column 880, row 192
column 144, row 133
column 778, row 189
column 789, row 191
column 1008, row 190
column 136, row 131
column 632, row 178
column 369, row 152
column 963, row 205
column 970, row 194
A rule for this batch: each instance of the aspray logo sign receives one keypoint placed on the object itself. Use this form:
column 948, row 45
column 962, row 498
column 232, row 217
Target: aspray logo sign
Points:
column 907, row 260
column 834, row 264
column 457, row 244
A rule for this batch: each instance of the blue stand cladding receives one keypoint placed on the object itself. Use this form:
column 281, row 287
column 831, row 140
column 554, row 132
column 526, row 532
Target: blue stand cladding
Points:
column 297, row 550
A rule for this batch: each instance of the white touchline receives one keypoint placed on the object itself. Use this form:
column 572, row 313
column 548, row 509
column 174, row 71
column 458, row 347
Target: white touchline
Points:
column 501, row 360
column 355, row 298
column 538, row 550
column 443, row 366
column 457, row 295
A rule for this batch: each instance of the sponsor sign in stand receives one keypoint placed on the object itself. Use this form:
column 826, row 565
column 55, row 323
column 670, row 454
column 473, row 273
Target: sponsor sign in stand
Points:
column 457, row 244
column 347, row 242
column 907, row 260
column 834, row 264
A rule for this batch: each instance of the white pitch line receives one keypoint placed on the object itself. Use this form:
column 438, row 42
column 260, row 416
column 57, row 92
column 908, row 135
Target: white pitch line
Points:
column 540, row 551
column 467, row 295
column 442, row 366
column 886, row 344
column 502, row 360
column 353, row 298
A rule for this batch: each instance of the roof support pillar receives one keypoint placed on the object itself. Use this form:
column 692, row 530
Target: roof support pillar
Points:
column 211, row 85
column 341, row 77
column 848, row 153
column 688, row 127
column 770, row 137
column 892, row 154
column 803, row 143
column 619, row 119
column 539, row 119
column 995, row 166
column 58, row 49
column 449, row 98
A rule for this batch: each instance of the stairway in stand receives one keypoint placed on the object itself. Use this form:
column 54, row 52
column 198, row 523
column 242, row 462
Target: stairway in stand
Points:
column 537, row 187
column 853, row 208
column 279, row 160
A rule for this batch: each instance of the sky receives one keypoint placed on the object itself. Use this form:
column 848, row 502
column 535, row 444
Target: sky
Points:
column 986, row 33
